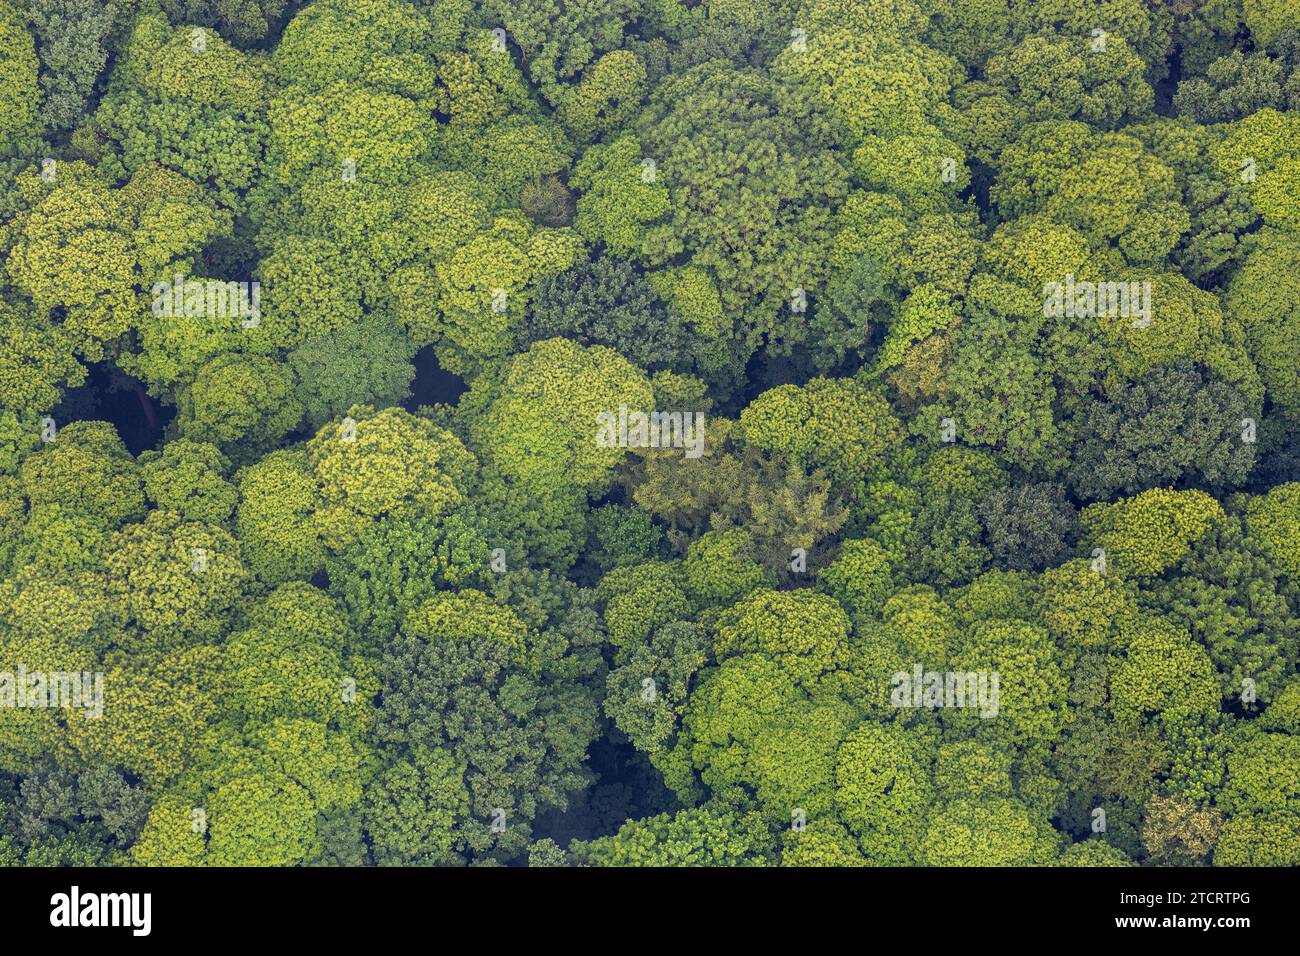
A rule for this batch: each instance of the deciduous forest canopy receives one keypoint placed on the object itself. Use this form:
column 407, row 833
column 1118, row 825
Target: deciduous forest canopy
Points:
column 675, row 432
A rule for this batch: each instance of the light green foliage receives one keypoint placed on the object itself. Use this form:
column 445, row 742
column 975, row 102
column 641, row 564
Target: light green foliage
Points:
column 187, row 101
column 967, row 770
column 998, row 595
column 29, row 736
column 1284, row 711
column 189, row 478
column 1163, row 676
column 1268, row 18
column 822, row 846
column 1259, row 840
column 988, row 833
column 1187, row 324
column 805, row 633
column 1144, row 27
column 1105, row 185
column 539, row 421
column 389, row 463
column 36, row 363
column 169, row 837
column 882, row 792
column 1274, row 518
column 912, row 166
column 922, row 623
column 234, row 398
column 468, row 614
column 175, row 580
column 640, row 598
column 1262, row 298
column 860, row 577
column 91, row 251
column 617, row 200
column 731, row 711
column 1262, row 774
column 291, row 662
column 608, row 96
column 325, row 116
column 87, row 469
column 1034, row 250
column 1031, row 702
column 276, row 517
column 928, row 310
column 19, row 94
column 700, row 837
column 1070, row 79
column 268, row 788
column 154, row 722
column 1150, row 532
column 1094, row 853
column 835, row 424
column 1084, row 606
column 872, row 80
column 326, row 333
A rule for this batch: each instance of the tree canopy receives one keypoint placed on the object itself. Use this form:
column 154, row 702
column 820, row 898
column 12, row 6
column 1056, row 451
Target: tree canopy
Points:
column 596, row 433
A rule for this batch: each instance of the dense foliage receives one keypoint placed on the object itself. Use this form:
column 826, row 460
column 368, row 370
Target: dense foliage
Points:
column 326, row 327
